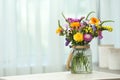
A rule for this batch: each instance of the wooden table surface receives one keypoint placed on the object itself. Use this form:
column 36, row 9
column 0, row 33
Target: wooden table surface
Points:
column 64, row 76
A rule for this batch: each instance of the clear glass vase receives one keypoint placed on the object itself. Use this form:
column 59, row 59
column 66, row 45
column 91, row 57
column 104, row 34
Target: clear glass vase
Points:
column 81, row 60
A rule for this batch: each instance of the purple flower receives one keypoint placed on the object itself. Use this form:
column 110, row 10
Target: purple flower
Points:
column 76, row 20
column 93, row 27
column 100, row 35
column 67, row 42
column 66, row 25
column 88, row 37
column 82, row 24
column 70, row 20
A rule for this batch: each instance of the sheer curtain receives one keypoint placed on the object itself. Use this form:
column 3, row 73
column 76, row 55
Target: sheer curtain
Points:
column 28, row 43
column 109, row 9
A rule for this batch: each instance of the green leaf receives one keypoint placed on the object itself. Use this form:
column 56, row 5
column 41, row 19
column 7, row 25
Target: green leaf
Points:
column 59, row 23
column 89, row 14
column 105, row 22
column 63, row 16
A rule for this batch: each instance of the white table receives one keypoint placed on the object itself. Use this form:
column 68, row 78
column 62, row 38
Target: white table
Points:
column 63, row 76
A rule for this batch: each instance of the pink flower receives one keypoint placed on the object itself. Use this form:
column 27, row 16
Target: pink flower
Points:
column 100, row 35
column 88, row 37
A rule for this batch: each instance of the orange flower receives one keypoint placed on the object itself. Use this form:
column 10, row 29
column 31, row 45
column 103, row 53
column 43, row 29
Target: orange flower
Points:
column 75, row 24
column 94, row 20
column 59, row 30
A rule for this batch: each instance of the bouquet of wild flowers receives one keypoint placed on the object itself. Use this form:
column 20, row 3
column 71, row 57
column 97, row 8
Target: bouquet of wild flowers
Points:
column 81, row 31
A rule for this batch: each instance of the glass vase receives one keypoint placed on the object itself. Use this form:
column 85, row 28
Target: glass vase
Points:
column 81, row 60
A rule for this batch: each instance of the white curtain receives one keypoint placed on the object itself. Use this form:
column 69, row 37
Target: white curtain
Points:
column 28, row 43
column 109, row 9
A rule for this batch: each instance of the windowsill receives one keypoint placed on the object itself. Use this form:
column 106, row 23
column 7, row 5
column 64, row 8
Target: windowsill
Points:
column 97, row 68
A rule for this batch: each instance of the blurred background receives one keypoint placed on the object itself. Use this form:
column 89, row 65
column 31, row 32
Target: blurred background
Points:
column 28, row 42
